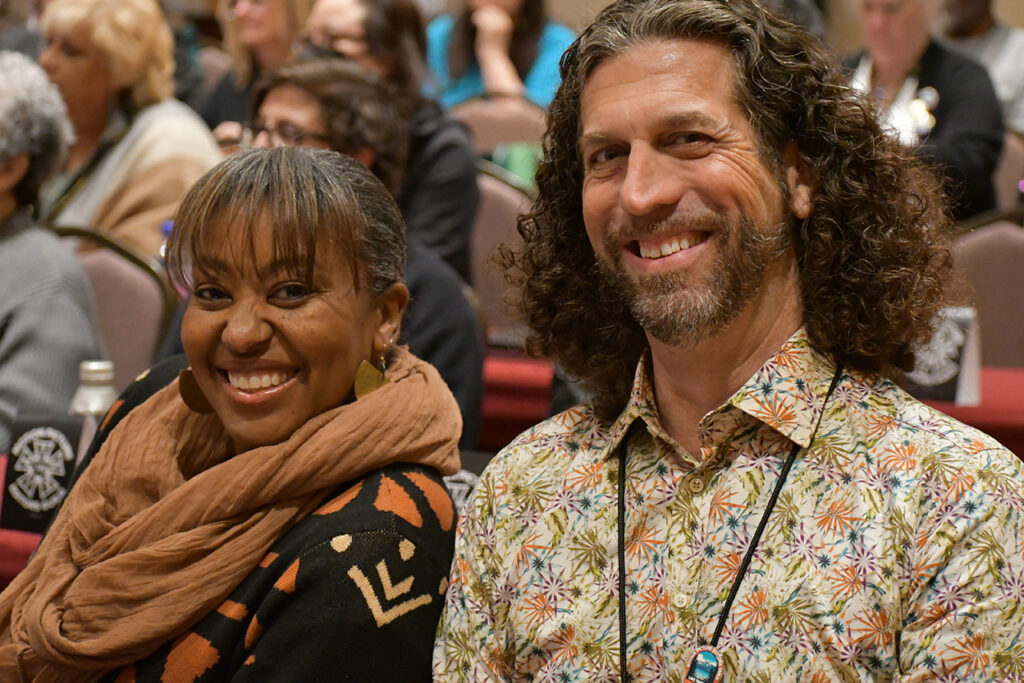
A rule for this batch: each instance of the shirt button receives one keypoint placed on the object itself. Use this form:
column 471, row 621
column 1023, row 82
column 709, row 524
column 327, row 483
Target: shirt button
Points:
column 696, row 483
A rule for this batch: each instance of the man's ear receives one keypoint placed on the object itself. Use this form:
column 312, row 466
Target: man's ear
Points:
column 12, row 171
column 801, row 180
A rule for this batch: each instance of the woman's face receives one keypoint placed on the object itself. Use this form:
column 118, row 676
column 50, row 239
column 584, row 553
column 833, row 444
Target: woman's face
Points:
column 81, row 71
column 340, row 26
column 511, row 7
column 261, row 22
column 270, row 351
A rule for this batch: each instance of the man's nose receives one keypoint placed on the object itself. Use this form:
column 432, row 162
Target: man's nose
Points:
column 651, row 184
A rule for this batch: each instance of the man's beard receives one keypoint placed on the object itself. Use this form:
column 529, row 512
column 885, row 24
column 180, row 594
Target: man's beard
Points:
column 678, row 309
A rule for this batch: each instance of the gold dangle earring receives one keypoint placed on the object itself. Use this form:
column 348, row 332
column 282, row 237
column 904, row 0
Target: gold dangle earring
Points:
column 191, row 394
column 369, row 378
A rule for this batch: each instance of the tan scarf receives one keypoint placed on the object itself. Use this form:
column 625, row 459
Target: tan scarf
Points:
column 165, row 523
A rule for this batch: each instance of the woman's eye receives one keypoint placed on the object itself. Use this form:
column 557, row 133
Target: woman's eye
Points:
column 210, row 294
column 291, row 292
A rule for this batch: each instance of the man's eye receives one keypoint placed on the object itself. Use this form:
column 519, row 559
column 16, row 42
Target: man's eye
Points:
column 691, row 138
column 604, row 155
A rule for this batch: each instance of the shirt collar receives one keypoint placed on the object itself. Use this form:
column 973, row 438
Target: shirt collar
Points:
column 786, row 394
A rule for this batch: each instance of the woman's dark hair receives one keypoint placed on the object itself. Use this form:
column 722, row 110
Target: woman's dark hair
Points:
column 359, row 110
column 529, row 24
column 311, row 198
column 873, row 255
column 396, row 37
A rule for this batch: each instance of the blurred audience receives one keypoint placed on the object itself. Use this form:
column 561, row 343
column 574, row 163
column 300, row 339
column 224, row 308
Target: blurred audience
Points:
column 804, row 13
column 935, row 100
column 259, row 35
column 334, row 103
column 439, row 194
column 497, row 48
column 19, row 30
column 46, row 317
column 136, row 150
column 970, row 27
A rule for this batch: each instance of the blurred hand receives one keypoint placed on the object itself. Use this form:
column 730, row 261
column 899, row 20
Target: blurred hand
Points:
column 493, row 28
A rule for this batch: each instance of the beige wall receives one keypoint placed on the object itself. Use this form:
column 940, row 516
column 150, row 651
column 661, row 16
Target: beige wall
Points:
column 842, row 23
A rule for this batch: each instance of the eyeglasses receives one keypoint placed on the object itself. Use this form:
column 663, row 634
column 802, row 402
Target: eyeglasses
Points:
column 285, row 134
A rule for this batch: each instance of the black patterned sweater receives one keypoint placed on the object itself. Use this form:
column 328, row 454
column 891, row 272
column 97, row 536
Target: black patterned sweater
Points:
column 351, row 593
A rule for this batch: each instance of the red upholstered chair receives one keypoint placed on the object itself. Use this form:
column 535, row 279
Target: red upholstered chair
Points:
column 517, row 389
column 15, row 546
column 502, row 199
column 991, row 257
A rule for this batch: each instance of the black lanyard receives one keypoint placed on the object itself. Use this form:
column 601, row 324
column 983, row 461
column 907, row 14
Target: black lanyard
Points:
column 623, row 456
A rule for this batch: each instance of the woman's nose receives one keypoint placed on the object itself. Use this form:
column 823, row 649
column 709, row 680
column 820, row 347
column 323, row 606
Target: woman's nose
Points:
column 46, row 60
column 247, row 330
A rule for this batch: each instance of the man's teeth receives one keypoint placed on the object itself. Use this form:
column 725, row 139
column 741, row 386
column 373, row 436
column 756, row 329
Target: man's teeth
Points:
column 256, row 382
column 665, row 248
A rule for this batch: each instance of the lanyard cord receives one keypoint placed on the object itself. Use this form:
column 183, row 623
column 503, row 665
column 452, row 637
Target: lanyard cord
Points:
column 779, row 484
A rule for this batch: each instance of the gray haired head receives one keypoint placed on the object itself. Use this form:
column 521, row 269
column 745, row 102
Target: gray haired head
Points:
column 33, row 121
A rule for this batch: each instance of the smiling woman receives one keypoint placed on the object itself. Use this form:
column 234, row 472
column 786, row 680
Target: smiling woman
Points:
column 292, row 490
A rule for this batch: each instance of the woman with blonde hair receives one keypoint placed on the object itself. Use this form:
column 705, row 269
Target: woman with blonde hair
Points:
column 136, row 150
column 259, row 36
column 276, row 512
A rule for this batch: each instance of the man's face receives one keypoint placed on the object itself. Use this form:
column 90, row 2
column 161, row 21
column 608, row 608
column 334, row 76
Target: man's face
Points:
column 959, row 17
column 683, row 213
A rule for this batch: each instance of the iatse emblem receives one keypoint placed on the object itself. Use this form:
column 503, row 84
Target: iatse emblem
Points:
column 43, row 455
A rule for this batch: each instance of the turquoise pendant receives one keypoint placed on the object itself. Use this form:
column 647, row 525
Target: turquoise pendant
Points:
column 705, row 665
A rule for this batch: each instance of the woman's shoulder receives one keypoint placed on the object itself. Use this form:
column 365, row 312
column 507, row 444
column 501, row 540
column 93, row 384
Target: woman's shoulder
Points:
column 172, row 129
column 403, row 501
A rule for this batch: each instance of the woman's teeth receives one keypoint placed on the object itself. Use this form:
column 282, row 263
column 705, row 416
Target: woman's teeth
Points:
column 257, row 382
column 655, row 250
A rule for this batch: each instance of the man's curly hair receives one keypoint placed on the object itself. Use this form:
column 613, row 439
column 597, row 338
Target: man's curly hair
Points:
column 873, row 255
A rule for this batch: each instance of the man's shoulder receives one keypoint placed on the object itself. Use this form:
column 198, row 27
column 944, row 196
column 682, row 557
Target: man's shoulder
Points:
column 549, row 448
column 898, row 419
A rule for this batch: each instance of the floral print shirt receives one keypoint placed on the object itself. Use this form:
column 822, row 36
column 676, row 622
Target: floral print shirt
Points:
column 894, row 552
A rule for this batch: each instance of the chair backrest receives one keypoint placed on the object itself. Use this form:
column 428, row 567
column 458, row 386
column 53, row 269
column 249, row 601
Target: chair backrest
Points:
column 500, row 121
column 502, row 199
column 990, row 258
column 1009, row 172
column 134, row 301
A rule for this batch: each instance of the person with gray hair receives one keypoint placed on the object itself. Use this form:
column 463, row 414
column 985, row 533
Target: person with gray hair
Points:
column 46, row 318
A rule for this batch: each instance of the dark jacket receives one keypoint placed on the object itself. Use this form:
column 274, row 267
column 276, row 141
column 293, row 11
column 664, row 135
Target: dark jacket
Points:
column 967, row 138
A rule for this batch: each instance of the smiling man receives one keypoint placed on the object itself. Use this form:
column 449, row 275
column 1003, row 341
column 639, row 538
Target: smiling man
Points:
column 733, row 258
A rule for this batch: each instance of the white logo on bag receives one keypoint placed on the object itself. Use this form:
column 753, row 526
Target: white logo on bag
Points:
column 42, row 454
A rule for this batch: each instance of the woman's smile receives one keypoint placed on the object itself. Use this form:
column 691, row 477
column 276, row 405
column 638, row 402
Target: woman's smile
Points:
column 270, row 346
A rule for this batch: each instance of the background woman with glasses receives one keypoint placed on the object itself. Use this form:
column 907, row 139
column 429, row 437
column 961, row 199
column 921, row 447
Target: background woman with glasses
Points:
column 259, row 35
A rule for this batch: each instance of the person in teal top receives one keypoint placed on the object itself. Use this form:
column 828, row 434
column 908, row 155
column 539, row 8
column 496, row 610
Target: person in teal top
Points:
column 496, row 48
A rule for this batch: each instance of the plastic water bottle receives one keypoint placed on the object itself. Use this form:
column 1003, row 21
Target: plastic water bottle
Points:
column 92, row 399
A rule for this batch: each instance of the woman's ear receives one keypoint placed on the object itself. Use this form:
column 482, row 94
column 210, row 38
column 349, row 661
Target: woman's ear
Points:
column 801, row 180
column 390, row 305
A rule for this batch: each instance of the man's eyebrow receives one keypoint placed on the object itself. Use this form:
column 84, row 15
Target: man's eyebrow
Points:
column 682, row 119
